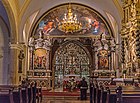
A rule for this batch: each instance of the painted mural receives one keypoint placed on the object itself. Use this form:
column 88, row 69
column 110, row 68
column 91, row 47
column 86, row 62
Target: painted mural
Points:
column 91, row 22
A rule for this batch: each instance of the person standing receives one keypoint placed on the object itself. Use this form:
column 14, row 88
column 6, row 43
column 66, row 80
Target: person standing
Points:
column 83, row 89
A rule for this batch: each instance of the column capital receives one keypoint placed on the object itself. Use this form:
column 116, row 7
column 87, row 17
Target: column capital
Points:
column 16, row 46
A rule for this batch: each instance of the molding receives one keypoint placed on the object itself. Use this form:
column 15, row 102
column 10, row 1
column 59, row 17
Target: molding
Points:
column 17, row 46
column 11, row 17
column 17, row 6
column 24, row 7
column 30, row 25
column 113, row 26
column 119, row 7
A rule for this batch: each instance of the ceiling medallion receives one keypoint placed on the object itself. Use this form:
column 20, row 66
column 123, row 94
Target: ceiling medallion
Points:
column 70, row 22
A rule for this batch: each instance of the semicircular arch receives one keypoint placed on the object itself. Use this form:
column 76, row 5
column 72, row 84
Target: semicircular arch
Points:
column 93, row 23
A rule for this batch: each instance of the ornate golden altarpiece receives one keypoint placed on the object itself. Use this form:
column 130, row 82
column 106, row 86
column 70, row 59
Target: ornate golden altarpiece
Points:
column 57, row 56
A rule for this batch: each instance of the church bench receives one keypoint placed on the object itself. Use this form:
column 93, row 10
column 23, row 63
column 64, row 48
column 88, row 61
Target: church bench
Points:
column 104, row 96
column 30, row 95
column 16, row 96
column 4, row 98
column 24, row 94
column 39, row 95
column 6, row 95
column 132, row 98
column 112, row 98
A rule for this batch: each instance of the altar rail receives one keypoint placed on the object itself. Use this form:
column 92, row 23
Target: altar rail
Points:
column 118, row 81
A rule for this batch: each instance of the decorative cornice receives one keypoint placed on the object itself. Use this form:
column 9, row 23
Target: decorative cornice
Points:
column 17, row 46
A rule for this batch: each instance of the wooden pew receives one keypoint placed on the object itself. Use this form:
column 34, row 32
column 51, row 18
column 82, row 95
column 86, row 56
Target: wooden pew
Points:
column 16, row 95
column 39, row 95
column 98, row 96
column 6, row 94
column 131, row 98
column 34, row 93
column 104, row 97
column 92, row 92
column 108, row 93
column 112, row 98
column 24, row 94
column 30, row 95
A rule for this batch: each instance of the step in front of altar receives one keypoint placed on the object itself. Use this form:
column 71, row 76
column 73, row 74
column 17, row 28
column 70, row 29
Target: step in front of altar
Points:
column 61, row 98
column 62, row 95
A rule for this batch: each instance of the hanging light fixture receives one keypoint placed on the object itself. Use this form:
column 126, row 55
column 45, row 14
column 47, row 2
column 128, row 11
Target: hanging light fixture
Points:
column 70, row 22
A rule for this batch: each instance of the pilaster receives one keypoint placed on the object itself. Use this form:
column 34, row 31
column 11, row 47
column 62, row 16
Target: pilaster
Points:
column 15, row 76
column 128, row 33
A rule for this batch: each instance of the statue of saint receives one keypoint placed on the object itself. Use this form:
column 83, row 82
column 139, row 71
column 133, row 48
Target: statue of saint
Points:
column 31, row 42
column 20, row 57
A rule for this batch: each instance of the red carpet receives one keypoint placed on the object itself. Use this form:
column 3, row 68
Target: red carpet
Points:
column 47, row 93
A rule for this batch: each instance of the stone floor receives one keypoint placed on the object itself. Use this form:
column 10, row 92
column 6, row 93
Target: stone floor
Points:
column 63, row 100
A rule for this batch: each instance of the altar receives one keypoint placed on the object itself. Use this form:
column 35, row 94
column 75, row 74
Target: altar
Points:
column 70, row 83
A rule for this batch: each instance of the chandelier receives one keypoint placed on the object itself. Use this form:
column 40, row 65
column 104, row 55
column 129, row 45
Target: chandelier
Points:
column 70, row 23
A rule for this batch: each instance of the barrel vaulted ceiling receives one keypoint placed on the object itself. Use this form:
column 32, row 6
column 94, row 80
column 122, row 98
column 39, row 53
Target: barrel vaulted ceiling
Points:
column 23, row 14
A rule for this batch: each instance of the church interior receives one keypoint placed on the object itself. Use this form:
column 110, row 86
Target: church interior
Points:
column 53, row 44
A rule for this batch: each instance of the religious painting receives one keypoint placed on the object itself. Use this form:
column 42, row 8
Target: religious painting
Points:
column 21, row 56
column 103, row 60
column 68, row 20
column 40, row 58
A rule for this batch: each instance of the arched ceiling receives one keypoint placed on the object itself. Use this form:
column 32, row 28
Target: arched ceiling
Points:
column 23, row 11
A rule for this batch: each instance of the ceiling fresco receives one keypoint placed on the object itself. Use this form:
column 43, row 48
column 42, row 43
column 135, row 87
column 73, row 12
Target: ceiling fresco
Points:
column 91, row 22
